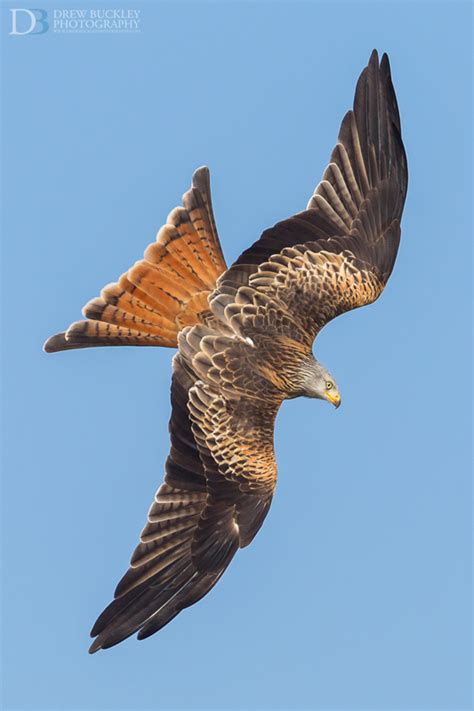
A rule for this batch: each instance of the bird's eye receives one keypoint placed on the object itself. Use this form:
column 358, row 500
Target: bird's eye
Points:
column 328, row 385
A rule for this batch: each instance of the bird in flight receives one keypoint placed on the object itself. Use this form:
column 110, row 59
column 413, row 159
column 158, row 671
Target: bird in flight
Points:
column 244, row 336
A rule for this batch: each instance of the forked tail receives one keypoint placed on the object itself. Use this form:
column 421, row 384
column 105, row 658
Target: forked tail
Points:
column 161, row 293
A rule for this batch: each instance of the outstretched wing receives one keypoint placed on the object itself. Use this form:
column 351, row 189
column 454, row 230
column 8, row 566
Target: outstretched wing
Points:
column 338, row 254
column 220, row 474
column 218, row 486
column 161, row 293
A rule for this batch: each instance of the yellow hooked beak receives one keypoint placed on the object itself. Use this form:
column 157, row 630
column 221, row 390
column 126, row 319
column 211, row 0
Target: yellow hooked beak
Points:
column 334, row 397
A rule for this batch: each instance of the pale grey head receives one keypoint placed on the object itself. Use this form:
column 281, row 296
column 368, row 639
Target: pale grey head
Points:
column 314, row 380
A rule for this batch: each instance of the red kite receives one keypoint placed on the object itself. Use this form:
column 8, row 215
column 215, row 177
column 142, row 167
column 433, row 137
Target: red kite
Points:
column 244, row 336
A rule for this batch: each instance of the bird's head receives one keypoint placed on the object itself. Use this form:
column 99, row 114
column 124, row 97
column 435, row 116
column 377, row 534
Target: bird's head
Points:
column 319, row 383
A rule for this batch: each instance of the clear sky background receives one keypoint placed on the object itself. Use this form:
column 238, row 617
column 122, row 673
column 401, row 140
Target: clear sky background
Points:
column 356, row 592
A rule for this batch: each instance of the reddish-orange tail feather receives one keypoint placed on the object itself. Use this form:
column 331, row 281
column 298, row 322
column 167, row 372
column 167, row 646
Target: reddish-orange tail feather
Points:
column 161, row 293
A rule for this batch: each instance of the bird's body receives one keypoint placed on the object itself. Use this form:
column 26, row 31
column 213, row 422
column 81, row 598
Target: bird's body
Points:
column 244, row 338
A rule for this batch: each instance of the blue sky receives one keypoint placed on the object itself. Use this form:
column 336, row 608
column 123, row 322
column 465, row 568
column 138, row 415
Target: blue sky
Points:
column 356, row 592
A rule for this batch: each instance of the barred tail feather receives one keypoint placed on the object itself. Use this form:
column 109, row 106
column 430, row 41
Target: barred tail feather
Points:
column 161, row 293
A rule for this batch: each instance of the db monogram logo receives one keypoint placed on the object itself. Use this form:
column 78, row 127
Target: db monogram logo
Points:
column 28, row 22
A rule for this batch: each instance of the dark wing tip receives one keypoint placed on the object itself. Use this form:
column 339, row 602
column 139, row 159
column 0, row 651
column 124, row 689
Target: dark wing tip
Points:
column 383, row 65
column 374, row 57
column 95, row 646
